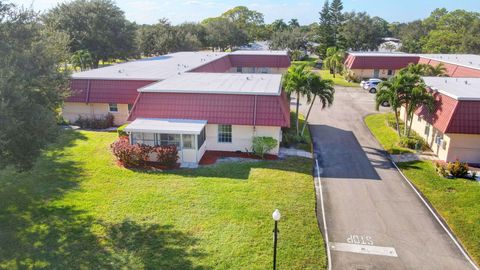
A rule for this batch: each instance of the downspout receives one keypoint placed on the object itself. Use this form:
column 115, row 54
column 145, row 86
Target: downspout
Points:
column 255, row 115
column 92, row 112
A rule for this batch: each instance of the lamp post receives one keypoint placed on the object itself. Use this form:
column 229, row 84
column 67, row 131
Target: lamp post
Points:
column 276, row 217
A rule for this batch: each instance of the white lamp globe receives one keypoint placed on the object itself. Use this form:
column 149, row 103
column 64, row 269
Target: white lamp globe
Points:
column 276, row 215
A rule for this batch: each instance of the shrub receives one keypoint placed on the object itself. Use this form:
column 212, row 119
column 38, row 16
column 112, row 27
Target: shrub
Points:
column 261, row 145
column 138, row 154
column 95, row 122
column 413, row 143
column 458, row 169
column 121, row 132
column 128, row 154
column 441, row 170
column 166, row 155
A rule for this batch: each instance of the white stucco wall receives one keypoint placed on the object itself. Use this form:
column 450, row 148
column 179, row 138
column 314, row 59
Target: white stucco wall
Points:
column 465, row 147
column 241, row 137
column 368, row 73
column 72, row 110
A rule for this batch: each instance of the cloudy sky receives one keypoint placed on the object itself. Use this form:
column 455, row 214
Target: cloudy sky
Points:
column 306, row 11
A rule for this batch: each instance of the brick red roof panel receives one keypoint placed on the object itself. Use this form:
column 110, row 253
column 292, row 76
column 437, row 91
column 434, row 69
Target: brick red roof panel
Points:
column 379, row 62
column 466, row 119
column 215, row 108
column 273, row 61
column 442, row 114
column 105, row 91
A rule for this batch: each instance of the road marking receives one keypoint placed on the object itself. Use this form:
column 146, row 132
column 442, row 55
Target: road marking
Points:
column 364, row 249
column 437, row 218
column 318, row 187
column 360, row 239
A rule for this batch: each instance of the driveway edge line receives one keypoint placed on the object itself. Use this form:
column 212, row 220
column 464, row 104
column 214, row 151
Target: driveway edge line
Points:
column 319, row 191
column 437, row 217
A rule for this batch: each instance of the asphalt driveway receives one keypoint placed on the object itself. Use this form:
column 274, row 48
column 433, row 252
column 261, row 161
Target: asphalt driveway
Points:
column 374, row 218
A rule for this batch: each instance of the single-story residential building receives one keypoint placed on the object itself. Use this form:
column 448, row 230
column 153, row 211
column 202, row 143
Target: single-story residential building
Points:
column 113, row 89
column 453, row 129
column 198, row 101
column 383, row 65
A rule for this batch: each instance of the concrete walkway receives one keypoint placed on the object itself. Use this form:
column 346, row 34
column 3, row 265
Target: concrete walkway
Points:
column 284, row 152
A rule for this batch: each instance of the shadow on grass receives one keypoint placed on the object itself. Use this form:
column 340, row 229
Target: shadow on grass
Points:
column 409, row 165
column 239, row 170
column 37, row 232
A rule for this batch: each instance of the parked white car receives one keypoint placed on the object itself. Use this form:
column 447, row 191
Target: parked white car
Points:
column 371, row 85
column 364, row 83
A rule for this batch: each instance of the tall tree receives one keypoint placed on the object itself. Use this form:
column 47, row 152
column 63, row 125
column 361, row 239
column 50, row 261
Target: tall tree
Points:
column 98, row 26
column 33, row 85
column 159, row 38
column 336, row 17
column 290, row 39
column 323, row 89
column 360, row 32
column 221, row 33
column 293, row 23
column 81, row 59
column 334, row 60
column 326, row 38
column 391, row 92
column 278, row 25
column 250, row 21
column 296, row 81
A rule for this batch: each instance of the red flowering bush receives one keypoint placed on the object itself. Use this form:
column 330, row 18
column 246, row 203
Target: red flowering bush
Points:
column 128, row 154
column 138, row 154
column 167, row 155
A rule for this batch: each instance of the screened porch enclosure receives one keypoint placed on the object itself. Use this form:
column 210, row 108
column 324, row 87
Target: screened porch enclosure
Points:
column 187, row 135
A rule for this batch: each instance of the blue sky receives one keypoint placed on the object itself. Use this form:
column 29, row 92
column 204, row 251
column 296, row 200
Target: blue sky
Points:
column 306, row 11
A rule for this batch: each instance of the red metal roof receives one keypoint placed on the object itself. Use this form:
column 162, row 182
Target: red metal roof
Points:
column 379, row 62
column 215, row 108
column 453, row 116
column 105, row 91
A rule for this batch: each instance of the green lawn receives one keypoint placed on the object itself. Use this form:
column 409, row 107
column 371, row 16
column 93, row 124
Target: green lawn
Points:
column 457, row 200
column 338, row 80
column 77, row 209
column 386, row 136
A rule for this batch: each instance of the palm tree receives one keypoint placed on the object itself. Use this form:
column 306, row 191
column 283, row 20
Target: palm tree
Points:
column 323, row 89
column 419, row 96
column 296, row 81
column 334, row 59
column 391, row 91
column 438, row 71
column 82, row 59
column 425, row 70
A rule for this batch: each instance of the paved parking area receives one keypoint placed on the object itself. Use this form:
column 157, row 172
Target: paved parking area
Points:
column 374, row 218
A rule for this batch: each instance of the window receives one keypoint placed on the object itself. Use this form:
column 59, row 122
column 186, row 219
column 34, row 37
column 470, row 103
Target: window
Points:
column 137, row 138
column 201, row 138
column 188, row 141
column 239, row 69
column 149, row 139
column 419, row 118
column 112, row 107
column 390, row 72
column 427, row 130
column 225, row 133
column 130, row 106
column 169, row 139
column 264, row 70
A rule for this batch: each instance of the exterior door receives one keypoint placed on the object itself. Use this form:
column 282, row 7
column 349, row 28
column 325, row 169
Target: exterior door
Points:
column 376, row 73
